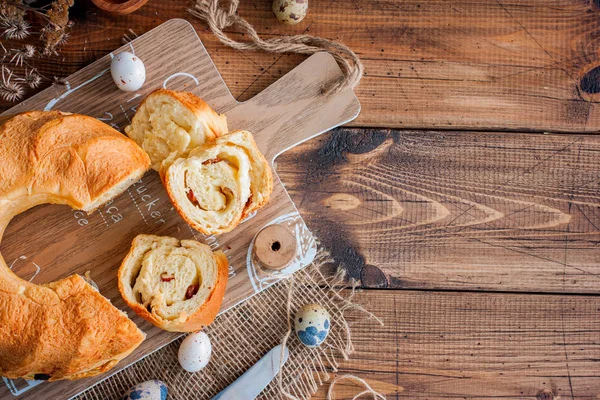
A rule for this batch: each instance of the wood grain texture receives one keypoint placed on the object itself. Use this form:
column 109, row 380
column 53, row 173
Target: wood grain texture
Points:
column 454, row 210
column 118, row 7
column 477, row 346
column 527, row 65
column 520, row 65
column 61, row 241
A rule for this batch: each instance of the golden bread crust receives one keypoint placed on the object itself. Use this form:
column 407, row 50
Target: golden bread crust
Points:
column 64, row 329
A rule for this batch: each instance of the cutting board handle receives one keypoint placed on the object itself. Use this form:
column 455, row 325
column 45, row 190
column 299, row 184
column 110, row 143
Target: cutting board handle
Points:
column 295, row 99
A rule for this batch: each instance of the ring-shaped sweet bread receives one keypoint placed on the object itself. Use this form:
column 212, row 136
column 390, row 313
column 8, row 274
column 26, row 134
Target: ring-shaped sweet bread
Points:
column 64, row 329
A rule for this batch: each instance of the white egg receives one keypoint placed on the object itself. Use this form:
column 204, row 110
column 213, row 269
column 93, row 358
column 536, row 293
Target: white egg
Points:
column 148, row 390
column 312, row 324
column 194, row 352
column 128, row 71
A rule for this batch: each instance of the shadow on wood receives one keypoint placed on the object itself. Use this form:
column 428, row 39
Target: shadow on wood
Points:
column 454, row 210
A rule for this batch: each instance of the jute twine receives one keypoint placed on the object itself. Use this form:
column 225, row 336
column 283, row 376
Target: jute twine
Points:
column 242, row 335
column 219, row 17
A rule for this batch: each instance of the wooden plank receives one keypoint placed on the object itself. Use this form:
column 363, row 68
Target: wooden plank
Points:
column 476, row 346
column 434, row 63
column 74, row 242
column 454, row 210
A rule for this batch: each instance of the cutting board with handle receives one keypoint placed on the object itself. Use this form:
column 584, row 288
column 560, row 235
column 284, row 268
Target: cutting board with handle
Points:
column 50, row 242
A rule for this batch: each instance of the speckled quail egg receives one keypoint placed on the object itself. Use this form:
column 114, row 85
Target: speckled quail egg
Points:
column 290, row 12
column 148, row 390
column 194, row 352
column 312, row 324
column 128, row 71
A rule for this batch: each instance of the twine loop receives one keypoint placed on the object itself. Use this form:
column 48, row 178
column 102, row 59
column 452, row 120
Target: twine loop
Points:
column 219, row 18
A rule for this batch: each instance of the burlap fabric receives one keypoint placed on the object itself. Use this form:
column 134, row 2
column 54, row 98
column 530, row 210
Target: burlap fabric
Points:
column 242, row 335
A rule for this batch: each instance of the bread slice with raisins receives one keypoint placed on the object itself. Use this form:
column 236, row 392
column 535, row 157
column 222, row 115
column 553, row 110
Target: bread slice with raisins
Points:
column 176, row 285
column 220, row 183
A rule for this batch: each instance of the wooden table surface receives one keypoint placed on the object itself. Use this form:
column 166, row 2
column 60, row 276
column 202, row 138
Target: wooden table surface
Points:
column 467, row 203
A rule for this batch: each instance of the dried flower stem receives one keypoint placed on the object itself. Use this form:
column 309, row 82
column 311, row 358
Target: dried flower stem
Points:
column 32, row 78
column 14, row 28
column 16, row 58
column 23, row 53
column 10, row 90
column 129, row 36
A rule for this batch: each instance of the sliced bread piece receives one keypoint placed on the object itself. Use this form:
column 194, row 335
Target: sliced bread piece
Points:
column 168, row 124
column 176, row 285
column 220, row 183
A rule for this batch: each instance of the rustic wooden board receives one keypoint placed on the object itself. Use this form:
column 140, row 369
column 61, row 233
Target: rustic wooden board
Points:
column 429, row 63
column 472, row 64
column 60, row 241
column 476, row 346
column 454, row 210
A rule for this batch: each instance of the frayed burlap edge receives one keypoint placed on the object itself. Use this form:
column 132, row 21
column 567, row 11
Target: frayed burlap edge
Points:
column 243, row 334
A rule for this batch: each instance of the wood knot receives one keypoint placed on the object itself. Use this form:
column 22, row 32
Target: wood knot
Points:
column 373, row 277
column 590, row 81
column 545, row 394
column 342, row 202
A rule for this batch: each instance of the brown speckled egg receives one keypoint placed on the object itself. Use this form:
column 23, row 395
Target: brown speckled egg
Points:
column 194, row 352
column 290, row 12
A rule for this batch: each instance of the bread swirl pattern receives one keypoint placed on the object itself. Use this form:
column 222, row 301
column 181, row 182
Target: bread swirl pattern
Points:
column 64, row 329
column 176, row 285
column 220, row 183
column 168, row 124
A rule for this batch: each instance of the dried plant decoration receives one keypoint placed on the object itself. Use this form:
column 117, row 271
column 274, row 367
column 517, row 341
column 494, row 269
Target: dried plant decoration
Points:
column 29, row 29
column 54, row 33
column 10, row 90
column 129, row 36
column 32, row 78
column 56, row 80
column 14, row 28
column 64, row 39
column 23, row 53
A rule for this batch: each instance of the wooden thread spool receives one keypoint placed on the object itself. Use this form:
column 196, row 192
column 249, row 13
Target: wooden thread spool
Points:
column 275, row 247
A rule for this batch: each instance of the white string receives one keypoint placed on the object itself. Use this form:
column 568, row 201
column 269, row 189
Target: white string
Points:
column 370, row 390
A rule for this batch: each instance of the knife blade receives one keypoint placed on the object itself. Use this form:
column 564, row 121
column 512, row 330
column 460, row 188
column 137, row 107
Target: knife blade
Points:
column 253, row 381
